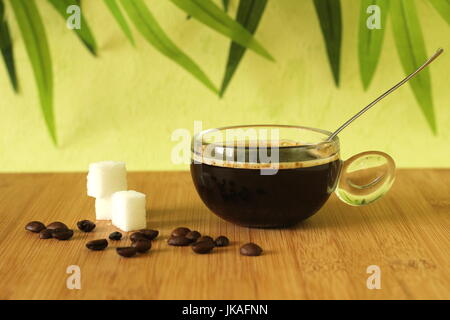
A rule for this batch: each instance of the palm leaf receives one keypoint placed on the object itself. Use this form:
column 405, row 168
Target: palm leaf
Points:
column 329, row 14
column 151, row 30
column 84, row 33
column 249, row 15
column 7, row 49
column 411, row 49
column 225, row 4
column 35, row 39
column 117, row 13
column 443, row 8
column 211, row 15
column 370, row 40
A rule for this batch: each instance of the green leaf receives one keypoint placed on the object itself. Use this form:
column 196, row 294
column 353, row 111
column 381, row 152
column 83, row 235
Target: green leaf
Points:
column 35, row 39
column 225, row 4
column 411, row 50
column 442, row 7
column 117, row 13
column 151, row 30
column 84, row 33
column 211, row 15
column 370, row 41
column 329, row 14
column 249, row 15
column 7, row 49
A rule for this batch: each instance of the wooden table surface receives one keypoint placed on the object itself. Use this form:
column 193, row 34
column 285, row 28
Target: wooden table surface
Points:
column 406, row 234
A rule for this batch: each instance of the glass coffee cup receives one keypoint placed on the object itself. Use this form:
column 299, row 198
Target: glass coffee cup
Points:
column 274, row 176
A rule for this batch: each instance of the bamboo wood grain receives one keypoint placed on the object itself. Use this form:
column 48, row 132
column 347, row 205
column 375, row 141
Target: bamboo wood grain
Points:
column 406, row 234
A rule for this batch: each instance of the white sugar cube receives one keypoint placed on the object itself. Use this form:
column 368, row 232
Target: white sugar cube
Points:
column 128, row 210
column 103, row 208
column 105, row 178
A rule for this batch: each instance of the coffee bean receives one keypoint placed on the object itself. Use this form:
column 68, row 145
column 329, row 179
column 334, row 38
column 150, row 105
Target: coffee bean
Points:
column 205, row 238
column 45, row 234
column 115, row 236
column 85, row 225
column 62, row 233
column 35, row 226
column 126, row 252
column 142, row 245
column 180, row 232
column 97, row 245
column 178, row 241
column 57, row 225
column 193, row 235
column 135, row 236
column 202, row 247
column 251, row 249
column 149, row 233
column 222, row 241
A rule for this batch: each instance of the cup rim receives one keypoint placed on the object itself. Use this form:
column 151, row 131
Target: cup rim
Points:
column 335, row 139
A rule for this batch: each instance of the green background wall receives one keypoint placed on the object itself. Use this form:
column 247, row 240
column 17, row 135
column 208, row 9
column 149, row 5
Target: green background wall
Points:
column 124, row 104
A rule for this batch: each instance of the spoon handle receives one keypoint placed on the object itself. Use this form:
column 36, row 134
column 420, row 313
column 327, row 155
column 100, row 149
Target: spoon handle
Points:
column 342, row 127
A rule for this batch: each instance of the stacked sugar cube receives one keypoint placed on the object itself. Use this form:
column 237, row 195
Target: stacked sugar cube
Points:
column 103, row 180
column 107, row 183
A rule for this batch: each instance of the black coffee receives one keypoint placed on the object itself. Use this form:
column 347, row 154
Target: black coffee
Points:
column 245, row 197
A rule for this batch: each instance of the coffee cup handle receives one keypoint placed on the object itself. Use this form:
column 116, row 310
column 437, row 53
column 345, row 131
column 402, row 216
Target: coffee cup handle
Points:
column 365, row 178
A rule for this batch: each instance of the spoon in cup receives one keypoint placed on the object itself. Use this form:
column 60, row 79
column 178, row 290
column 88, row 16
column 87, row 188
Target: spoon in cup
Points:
column 426, row 63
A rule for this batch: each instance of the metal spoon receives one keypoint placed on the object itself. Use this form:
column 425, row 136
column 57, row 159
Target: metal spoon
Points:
column 438, row 52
